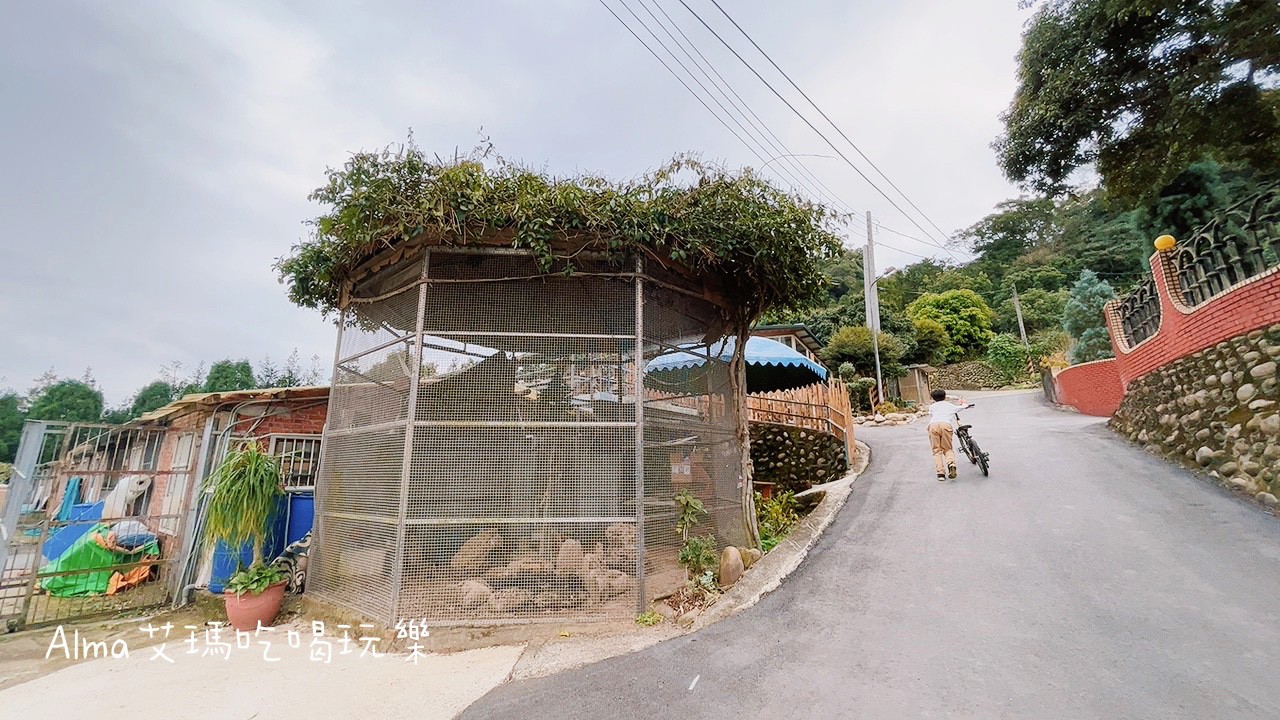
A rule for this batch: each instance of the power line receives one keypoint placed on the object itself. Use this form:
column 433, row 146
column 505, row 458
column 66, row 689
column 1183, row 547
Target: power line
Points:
column 676, row 75
column 883, row 244
column 750, row 147
column 831, row 194
column 759, row 124
column 828, row 119
column 909, row 236
column 812, row 126
column 758, row 137
column 854, row 229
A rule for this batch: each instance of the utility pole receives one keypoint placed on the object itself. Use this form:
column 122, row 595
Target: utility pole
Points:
column 1017, row 308
column 871, row 298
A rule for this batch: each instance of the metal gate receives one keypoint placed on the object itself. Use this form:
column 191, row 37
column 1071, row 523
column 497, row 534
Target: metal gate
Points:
column 93, row 521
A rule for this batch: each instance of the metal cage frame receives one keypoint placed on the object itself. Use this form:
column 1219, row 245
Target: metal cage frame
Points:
column 485, row 458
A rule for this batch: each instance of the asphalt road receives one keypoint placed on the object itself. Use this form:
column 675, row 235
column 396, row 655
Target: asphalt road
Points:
column 1083, row 579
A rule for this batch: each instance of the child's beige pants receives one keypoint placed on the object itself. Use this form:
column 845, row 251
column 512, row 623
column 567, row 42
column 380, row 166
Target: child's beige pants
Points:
column 940, row 441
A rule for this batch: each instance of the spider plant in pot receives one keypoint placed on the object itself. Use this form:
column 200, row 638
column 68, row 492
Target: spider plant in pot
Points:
column 245, row 491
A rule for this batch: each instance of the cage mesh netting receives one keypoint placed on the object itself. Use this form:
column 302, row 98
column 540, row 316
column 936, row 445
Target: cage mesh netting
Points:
column 480, row 461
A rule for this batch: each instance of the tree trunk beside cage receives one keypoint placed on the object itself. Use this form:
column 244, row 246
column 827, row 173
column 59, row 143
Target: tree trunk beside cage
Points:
column 742, row 432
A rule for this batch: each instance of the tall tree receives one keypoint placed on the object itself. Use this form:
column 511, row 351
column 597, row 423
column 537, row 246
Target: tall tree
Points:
column 226, row 375
column 1083, row 319
column 853, row 345
column 901, row 288
column 152, row 397
column 964, row 315
column 1014, row 228
column 1111, row 243
column 1041, row 310
column 68, row 401
column 1141, row 89
column 844, row 273
column 11, row 419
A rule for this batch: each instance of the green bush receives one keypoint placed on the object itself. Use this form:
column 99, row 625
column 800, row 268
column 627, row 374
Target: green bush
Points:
column 963, row 314
column 776, row 516
column 854, row 345
column 885, row 408
column 1082, row 318
column 1008, row 355
column 698, row 555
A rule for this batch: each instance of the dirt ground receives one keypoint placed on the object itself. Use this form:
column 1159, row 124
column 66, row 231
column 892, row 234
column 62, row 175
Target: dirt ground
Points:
column 178, row 678
column 23, row 654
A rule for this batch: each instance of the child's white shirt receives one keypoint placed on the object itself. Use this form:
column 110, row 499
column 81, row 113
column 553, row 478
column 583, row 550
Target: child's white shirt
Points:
column 944, row 412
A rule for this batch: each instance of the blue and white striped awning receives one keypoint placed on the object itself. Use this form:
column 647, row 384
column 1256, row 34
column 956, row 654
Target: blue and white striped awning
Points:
column 759, row 351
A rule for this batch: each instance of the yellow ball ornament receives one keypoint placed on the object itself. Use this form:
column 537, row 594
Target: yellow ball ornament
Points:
column 1165, row 243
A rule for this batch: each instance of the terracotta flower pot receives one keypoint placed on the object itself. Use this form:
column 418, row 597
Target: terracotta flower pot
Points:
column 764, row 488
column 244, row 612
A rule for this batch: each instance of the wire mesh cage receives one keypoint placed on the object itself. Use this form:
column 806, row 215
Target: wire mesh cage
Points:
column 486, row 458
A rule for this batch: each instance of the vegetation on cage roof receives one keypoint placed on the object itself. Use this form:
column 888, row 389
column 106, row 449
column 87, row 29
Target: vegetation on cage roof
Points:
column 761, row 248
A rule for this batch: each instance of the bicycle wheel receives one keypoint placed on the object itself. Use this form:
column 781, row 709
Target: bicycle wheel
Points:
column 980, row 458
column 966, row 447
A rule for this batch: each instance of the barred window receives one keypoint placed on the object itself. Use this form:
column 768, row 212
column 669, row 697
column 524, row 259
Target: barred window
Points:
column 299, row 459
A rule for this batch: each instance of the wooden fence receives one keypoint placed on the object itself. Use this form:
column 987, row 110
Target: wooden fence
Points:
column 823, row 407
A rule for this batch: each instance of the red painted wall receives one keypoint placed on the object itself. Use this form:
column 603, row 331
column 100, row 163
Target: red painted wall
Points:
column 1250, row 305
column 1097, row 388
column 1093, row 388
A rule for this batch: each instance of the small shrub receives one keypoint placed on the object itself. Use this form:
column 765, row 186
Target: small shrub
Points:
column 689, row 511
column 859, row 392
column 1007, row 354
column 698, row 555
column 648, row 618
column 886, row 408
column 700, row 592
column 776, row 516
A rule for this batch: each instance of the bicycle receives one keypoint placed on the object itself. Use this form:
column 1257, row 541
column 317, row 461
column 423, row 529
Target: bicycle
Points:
column 970, row 448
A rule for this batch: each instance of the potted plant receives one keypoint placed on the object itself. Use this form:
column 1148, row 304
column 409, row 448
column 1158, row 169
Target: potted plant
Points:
column 245, row 492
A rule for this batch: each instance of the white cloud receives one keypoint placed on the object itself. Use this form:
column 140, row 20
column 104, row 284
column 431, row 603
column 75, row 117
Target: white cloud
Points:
column 162, row 153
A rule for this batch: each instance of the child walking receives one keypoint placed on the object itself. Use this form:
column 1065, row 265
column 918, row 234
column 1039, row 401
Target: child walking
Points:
column 942, row 416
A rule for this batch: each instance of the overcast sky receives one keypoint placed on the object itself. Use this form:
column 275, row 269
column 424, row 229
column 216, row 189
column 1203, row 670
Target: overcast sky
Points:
column 156, row 156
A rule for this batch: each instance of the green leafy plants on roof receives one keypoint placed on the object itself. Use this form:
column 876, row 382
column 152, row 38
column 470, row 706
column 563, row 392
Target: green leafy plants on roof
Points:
column 758, row 246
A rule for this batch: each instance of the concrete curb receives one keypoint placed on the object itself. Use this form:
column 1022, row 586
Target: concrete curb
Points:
column 767, row 575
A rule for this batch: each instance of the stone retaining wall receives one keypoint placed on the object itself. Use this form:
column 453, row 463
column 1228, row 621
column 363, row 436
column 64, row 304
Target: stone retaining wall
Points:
column 970, row 375
column 1217, row 410
column 795, row 459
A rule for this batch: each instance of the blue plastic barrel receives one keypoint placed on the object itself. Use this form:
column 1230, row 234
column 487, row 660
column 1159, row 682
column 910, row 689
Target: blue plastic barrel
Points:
column 226, row 562
column 302, row 513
